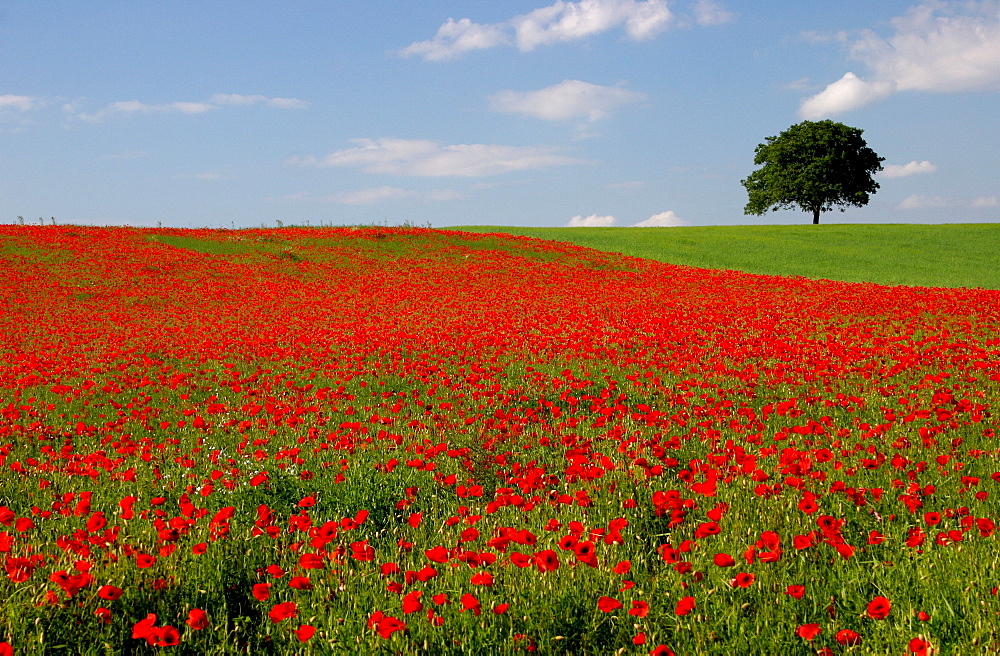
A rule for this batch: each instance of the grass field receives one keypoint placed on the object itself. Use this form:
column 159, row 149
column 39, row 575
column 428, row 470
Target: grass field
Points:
column 955, row 255
column 407, row 441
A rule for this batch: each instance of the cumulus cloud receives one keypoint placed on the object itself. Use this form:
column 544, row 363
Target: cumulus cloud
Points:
column 567, row 100
column 910, row 168
column 986, row 201
column 666, row 219
column 20, row 103
column 847, row 93
column 920, row 202
column 592, row 221
column 129, row 107
column 430, row 158
column 560, row 22
column 710, row 12
column 937, row 46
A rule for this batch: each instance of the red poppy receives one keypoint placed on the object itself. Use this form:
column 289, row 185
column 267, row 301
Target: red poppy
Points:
column 300, row 583
column 500, row 609
column 919, row 647
column 482, row 578
column 109, row 592
column 142, row 628
column 197, row 619
column 848, row 637
column 261, row 591
column 142, row 561
column 469, row 602
column 639, row 609
column 546, row 561
column 102, row 613
column 723, row 560
column 743, row 580
column 608, row 604
column 878, row 608
column 809, row 631
column 684, row 606
column 304, row 632
column 795, row 591
column 283, row 611
column 661, row 650
column 411, row 602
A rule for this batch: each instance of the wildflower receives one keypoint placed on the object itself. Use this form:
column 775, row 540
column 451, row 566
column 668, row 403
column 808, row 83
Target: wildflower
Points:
column 197, row 619
column 878, row 608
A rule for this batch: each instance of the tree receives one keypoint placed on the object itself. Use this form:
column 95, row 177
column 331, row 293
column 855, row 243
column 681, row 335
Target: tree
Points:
column 813, row 166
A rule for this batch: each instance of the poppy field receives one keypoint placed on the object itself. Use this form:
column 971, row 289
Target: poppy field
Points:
column 396, row 440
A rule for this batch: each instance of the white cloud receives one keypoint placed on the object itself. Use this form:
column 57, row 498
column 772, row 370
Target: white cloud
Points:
column 592, row 221
column 237, row 99
column 910, row 168
column 919, row 202
column 566, row 100
column 429, row 158
column 456, row 37
column 666, row 219
column 20, row 103
column 847, row 93
column 937, row 46
column 560, row 22
column 710, row 12
column 128, row 107
column 986, row 201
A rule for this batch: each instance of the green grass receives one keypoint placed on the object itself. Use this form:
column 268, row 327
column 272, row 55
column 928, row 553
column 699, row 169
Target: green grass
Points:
column 954, row 255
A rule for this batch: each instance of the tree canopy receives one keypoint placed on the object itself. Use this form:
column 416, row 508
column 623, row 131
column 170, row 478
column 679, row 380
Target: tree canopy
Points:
column 813, row 166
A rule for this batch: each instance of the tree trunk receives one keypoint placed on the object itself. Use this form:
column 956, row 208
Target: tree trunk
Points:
column 815, row 216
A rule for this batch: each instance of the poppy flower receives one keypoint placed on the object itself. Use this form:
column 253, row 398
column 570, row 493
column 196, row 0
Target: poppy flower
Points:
column 411, row 602
column 808, row 631
column 661, row 650
column 848, row 637
column 639, row 609
column 743, row 580
column 197, row 619
column 723, row 560
column 304, row 632
column 500, row 609
column 919, row 647
column 109, row 592
column 608, row 604
column 143, row 627
column 469, row 602
column 142, row 561
column 684, row 606
column 878, row 608
column 546, row 561
column 482, row 578
column 102, row 613
column 283, row 611
column 795, row 591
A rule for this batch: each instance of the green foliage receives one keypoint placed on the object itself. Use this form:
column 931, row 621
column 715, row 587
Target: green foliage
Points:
column 955, row 255
column 813, row 166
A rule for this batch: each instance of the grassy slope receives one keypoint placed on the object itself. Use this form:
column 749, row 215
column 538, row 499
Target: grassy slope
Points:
column 954, row 255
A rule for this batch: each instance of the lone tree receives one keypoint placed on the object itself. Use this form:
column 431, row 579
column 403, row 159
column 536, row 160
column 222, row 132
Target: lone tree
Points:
column 813, row 166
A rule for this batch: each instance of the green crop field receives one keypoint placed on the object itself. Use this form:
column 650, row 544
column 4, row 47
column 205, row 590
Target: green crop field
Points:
column 954, row 255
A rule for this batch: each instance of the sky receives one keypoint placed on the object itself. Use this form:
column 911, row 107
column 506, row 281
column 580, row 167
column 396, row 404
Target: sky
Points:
column 477, row 112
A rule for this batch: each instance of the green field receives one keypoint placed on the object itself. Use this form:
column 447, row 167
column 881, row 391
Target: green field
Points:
column 953, row 255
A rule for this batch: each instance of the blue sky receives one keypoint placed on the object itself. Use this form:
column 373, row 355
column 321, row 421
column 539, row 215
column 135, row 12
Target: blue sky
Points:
column 523, row 112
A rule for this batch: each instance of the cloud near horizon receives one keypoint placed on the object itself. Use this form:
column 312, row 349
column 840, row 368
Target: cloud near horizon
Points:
column 560, row 22
column 942, row 47
column 668, row 219
column 129, row 107
column 591, row 221
column 908, row 169
column 415, row 157
column 567, row 100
